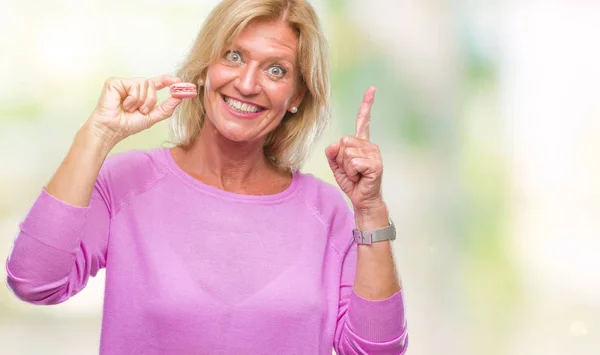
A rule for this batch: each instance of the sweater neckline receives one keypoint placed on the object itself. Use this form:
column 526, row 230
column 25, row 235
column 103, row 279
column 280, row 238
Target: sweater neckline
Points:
column 165, row 152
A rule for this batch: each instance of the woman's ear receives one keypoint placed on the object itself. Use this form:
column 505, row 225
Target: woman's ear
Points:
column 297, row 100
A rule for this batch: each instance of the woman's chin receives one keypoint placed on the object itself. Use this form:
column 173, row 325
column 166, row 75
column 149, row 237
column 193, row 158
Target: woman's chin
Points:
column 237, row 136
column 236, row 133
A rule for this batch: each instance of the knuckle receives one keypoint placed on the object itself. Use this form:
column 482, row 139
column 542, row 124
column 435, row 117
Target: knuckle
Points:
column 110, row 82
column 143, row 90
column 135, row 89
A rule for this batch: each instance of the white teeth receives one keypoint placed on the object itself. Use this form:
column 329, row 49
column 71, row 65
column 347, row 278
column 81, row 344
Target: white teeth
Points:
column 242, row 107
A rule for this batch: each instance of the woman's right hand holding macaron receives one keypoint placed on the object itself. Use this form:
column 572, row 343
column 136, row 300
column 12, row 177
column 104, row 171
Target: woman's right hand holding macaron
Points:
column 129, row 106
column 125, row 107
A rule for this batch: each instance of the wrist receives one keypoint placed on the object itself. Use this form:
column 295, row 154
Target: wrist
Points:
column 95, row 138
column 374, row 217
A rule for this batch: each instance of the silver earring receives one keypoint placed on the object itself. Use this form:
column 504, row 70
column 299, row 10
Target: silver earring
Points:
column 294, row 109
column 200, row 82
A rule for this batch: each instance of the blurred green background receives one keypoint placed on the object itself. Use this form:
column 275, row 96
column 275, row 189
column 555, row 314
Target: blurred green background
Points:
column 487, row 113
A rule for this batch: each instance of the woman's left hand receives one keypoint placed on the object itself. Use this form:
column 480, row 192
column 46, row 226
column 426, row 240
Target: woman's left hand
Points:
column 356, row 163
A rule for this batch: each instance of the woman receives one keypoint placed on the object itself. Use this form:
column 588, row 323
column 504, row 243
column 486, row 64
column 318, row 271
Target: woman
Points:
column 220, row 245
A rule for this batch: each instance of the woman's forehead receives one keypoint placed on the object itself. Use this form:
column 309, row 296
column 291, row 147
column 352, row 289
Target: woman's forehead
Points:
column 272, row 39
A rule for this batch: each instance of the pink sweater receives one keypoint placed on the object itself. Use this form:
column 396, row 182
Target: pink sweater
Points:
column 191, row 269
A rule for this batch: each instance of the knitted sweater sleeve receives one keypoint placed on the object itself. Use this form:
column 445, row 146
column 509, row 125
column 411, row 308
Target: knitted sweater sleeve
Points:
column 59, row 246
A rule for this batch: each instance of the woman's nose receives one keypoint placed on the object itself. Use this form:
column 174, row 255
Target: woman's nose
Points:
column 247, row 82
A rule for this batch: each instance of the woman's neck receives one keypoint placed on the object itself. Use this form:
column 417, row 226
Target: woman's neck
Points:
column 228, row 165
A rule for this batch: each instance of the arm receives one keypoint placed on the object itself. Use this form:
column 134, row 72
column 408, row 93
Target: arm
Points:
column 376, row 275
column 371, row 317
column 74, row 180
column 63, row 239
column 372, row 314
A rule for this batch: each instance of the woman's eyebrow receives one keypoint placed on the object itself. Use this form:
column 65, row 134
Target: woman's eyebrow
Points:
column 269, row 57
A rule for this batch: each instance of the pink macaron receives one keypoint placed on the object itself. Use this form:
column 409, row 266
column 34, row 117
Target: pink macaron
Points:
column 183, row 90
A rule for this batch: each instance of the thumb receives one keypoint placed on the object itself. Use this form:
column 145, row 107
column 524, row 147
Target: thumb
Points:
column 164, row 111
column 331, row 152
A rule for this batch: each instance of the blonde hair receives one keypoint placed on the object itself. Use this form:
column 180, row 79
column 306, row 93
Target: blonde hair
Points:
column 290, row 143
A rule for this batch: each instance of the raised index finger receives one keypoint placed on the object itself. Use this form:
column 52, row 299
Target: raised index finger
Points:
column 363, row 120
column 163, row 81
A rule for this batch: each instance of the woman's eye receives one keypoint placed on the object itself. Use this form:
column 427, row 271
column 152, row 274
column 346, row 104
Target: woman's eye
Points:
column 276, row 71
column 234, row 57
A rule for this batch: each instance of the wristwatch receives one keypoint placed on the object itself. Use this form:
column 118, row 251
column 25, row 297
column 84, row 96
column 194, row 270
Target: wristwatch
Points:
column 377, row 235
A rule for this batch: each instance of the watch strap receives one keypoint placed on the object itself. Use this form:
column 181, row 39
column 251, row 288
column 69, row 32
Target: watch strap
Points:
column 376, row 235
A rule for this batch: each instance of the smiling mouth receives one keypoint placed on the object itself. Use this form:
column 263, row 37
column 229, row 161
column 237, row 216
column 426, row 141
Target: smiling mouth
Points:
column 241, row 107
